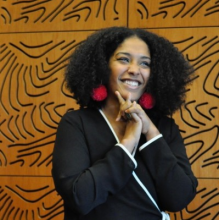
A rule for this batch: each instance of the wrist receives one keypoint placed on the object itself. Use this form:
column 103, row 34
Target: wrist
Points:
column 128, row 144
column 151, row 133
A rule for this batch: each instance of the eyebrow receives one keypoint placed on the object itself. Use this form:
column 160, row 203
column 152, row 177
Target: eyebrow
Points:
column 128, row 54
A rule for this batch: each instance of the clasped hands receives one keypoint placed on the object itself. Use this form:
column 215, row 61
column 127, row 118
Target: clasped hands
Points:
column 132, row 111
column 134, row 114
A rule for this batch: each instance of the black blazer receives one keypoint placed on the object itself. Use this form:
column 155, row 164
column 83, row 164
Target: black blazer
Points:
column 96, row 179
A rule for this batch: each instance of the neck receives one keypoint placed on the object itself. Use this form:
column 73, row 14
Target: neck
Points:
column 111, row 108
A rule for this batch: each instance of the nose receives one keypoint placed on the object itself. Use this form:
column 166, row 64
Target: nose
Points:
column 134, row 69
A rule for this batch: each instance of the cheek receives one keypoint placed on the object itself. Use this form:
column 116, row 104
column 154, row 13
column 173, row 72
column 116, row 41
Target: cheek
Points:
column 113, row 79
column 147, row 75
column 116, row 72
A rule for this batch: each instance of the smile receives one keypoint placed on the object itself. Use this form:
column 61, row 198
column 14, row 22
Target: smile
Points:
column 131, row 83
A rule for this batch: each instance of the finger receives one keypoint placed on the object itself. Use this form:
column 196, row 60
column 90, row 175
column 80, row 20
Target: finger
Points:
column 124, row 104
column 118, row 117
column 129, row 97
column 128, row 116
column 118, row 95
column 131, row 109
column 135, row 117
column 134, row 108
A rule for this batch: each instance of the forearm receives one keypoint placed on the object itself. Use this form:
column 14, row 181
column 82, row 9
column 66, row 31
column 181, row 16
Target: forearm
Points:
column 175, row 184
column 91, row 187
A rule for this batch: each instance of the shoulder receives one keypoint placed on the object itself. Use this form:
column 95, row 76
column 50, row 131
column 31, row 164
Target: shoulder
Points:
column 160, row 120
column 170, row 130
column 80, row 113
column 81, row 116
column 166, row 125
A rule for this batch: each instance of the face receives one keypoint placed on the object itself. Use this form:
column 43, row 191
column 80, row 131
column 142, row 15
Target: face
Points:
column 130, row 69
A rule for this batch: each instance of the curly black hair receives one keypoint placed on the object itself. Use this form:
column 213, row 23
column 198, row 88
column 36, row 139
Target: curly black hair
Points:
column 88, row 68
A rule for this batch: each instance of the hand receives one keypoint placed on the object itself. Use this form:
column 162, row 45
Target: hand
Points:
column 148, row 128
column 124, row 104
column 133, row 127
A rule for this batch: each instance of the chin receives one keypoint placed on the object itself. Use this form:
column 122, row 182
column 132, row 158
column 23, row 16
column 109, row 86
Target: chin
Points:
column 135, row 98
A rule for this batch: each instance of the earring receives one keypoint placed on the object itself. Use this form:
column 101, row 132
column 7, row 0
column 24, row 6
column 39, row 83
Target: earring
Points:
column 99, row 93
column 147, row 101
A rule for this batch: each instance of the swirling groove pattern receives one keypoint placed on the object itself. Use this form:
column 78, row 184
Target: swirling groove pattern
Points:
column 36, row 41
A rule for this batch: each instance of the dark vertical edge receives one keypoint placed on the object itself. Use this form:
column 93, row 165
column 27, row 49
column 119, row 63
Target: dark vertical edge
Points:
column 127, row 24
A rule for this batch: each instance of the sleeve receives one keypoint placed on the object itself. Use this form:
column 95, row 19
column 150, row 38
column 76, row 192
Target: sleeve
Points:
column 81, row 185
column 169, row 166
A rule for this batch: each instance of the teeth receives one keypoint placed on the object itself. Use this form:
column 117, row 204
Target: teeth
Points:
column 131, row 83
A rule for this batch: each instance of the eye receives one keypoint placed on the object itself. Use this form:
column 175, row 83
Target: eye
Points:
column 145, row 64
column 123, row 59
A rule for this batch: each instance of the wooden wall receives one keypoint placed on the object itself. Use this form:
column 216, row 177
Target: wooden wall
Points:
column 36, row 39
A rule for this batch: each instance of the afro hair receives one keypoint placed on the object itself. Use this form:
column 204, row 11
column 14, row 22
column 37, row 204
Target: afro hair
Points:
column 88, row 68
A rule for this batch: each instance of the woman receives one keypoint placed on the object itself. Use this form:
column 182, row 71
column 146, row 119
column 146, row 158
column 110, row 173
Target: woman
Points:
column 120, row 156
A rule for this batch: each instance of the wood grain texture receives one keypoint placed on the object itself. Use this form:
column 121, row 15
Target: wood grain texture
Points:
column 61, row 15
column 36, row 40
column 173, row 13
column 29, row 198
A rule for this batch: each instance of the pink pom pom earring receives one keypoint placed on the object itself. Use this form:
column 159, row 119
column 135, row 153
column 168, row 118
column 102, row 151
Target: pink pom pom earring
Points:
column 99, row 93
column 147, row 101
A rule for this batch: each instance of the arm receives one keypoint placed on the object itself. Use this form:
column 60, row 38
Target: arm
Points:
column 165, row 159
column 169, row 166
column 83, row 185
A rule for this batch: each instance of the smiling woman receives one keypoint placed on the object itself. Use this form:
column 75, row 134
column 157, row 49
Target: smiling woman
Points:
column 130, row 69
column 120, row 156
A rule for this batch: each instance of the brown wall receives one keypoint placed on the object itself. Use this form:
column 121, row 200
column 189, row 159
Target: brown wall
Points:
column 36, row 39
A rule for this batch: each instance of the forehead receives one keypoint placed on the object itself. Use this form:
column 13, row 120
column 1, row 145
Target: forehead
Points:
column 133, row 45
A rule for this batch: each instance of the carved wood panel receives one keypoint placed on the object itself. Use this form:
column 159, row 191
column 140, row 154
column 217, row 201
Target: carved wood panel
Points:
column 62, row 15
column 173, row 13
column 199, row 120
column 36, row 39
